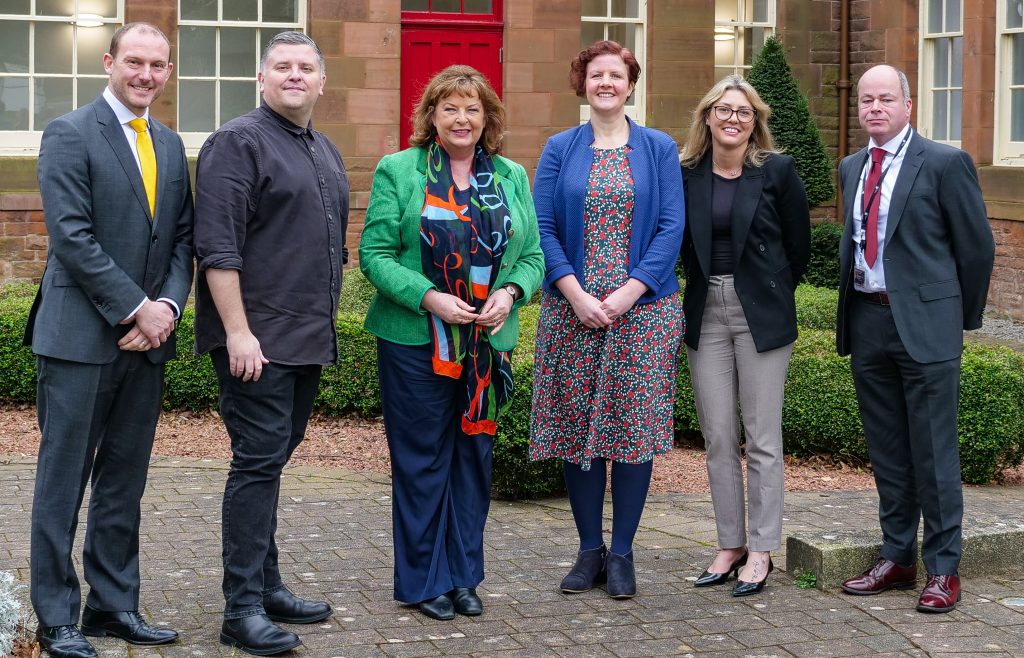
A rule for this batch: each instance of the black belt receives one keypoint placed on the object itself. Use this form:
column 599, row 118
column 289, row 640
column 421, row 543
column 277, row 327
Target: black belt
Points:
column 880, row 298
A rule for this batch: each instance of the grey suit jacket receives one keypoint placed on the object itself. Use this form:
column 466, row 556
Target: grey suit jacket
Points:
column 938, row 252
column 106, row 252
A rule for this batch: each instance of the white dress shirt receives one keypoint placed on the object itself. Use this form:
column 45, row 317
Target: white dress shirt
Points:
column 874, row 277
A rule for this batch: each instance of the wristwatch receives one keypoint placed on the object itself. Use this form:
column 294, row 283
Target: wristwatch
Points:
column 513, row 290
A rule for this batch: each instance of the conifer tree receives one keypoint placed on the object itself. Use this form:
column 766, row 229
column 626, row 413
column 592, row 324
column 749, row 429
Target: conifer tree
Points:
column 791, row 123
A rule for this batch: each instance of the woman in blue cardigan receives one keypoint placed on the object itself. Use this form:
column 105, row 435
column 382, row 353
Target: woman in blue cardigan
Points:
column 610, row 214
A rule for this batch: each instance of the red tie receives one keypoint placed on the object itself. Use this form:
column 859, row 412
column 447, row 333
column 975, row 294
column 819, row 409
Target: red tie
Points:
column 871, row 249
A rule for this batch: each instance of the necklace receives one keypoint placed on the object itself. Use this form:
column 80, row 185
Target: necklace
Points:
column 729, row 173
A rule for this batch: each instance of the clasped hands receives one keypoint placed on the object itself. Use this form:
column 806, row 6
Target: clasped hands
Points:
column 453, row 310
column 154, row 322
column 596, row 313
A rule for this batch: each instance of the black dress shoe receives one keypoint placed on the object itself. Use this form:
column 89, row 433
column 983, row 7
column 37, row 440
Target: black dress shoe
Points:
column 257, row 635
column 709, row 578
column 284, row 607
column 128, row 626
column 439, row 608
column 743, row 588
column 621, row 576
column 65, row 642
column 587, row 572
column 466, row 602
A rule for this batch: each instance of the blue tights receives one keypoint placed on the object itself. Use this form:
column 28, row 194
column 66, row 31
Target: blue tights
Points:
column 630, row 483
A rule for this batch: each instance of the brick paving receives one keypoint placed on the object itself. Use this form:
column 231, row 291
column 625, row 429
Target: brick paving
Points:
column 335, row 544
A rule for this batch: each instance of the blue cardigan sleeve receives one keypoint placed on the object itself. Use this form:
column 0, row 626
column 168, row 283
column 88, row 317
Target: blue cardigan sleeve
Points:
column 556, row 263
column 658, row 262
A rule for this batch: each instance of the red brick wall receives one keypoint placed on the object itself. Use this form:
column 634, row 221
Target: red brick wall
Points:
column 1006, row 294
column 23, row 238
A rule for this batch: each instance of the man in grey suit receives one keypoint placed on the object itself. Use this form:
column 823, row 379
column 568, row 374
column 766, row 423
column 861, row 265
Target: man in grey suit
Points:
column 915, row 261
column 118, row 209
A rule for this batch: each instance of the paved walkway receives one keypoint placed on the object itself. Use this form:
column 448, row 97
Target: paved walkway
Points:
column 335, row 543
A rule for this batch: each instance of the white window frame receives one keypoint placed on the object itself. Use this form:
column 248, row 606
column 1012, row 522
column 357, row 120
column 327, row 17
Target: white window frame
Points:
column 926, row 69
column 1006, row 152
column 638, row 110
column 734, row 30
column 193, row 141
column 26, row 142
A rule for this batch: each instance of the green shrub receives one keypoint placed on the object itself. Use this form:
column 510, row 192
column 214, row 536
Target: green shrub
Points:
column 190, row 381
column 816, row 307
column 791, row 122
column 17, row 363
column 351, row 385
column 356, row 292
column 991, row 422
column 823, row 268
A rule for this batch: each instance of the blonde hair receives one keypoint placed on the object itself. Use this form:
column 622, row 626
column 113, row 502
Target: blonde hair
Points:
column 462, row 80
column 698, row 138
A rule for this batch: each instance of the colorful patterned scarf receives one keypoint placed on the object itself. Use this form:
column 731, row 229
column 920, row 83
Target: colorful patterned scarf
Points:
column 463, row 242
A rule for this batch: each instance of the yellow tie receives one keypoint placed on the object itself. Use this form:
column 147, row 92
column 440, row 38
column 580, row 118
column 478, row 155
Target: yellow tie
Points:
column 147, row 158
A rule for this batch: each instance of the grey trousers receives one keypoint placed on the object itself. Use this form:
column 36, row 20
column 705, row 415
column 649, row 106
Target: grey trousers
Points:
column 726, row 369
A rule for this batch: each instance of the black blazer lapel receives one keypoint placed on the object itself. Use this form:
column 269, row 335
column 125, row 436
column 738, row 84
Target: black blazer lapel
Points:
column 114, row 134
column 904, row 183
column 744, row 205
column 698, row 198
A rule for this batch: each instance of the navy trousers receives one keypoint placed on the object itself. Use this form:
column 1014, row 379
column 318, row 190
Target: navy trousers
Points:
column 440, row 477
column 266, row 421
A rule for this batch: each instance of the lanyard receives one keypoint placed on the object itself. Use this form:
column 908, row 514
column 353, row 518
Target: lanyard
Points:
column 864, row 207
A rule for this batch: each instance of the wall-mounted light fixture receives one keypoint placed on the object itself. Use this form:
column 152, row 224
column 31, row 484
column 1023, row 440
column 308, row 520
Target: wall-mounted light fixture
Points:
column 724, row 34
column 87, row 20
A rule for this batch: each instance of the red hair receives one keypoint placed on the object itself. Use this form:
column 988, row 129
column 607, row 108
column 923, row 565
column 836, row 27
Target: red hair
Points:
column 578, row 67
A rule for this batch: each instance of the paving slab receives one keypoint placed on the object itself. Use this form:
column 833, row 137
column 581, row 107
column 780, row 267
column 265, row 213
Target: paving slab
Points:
column 335, row 540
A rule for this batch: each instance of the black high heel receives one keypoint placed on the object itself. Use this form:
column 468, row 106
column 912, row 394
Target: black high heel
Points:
column 743, row 588
column 707, row 579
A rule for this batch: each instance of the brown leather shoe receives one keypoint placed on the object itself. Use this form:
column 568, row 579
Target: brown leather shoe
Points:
column 886, row 574
column 940, row 594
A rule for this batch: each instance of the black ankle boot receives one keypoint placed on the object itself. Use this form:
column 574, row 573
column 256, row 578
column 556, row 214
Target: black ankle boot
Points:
column 621, row 576
column 587, row 572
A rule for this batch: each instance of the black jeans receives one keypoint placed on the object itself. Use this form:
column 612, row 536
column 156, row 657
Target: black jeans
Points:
column 266, row 421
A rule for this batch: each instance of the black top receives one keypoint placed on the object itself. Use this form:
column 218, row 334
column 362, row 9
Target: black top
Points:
column 723, row 192
column 272, row 202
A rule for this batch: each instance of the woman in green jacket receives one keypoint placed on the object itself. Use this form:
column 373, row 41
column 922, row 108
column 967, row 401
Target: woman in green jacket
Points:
column 452, row 246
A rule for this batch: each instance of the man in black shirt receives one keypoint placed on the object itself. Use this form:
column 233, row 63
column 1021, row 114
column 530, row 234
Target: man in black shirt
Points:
column 272, row 209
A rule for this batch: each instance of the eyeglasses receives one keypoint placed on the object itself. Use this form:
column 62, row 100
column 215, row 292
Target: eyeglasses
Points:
column 724, row 113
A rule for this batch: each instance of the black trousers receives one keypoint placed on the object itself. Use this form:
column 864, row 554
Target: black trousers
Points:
column 440, row 476
column 97, row 424
column 909, row 411
column 266, row 421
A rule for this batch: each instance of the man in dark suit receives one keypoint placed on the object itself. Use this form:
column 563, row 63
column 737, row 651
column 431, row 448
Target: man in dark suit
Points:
column 915, row 261
column 118, row 209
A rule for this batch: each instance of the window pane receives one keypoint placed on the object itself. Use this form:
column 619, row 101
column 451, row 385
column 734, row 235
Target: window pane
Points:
column 53, row 98
column 1017, row 115
column 934, row 16
column 236, row 98
column 14, row 46
column 957, row 63
column 625, row 9
column 89, row 89
column 266, row 36
column 198, row 10
column 283, row 11
column 55, row 8
column 622, row 34
column 93, row 42
column 591, row 32
column 196, row 106
column 14, row 104
column 410, row 5
column 1014, row 13
column 952, row 15
column 1017, row 72
column 16, row 7
column 754, row 43
column 477, row 7
column 241, row 10
column 939, row 114
column 196, row 48
column 446, row 5
column 238, row 52
column 940, row 67
column 595, row 8
column 760, row 13
column 955, row 114
column 53, row 47
column 725, row 11
column 104, row 8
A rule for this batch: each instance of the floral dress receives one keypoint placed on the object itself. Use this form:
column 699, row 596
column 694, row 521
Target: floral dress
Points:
column 605, row 393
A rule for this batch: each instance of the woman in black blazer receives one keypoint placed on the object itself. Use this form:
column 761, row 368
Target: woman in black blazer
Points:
column 745, row 247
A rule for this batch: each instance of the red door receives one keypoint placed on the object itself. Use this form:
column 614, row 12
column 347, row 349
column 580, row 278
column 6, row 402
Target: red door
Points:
column 433, row 40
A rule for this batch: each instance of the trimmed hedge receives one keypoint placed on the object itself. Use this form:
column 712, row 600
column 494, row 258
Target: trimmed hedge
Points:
column 823, row 268
column 820, row 413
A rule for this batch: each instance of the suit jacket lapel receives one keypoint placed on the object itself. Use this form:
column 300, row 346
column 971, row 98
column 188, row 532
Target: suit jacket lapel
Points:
column 698, row 198
column 163, row 159
column 114, row 134
column 904, row 183
column 850, row 184
column 744, row 205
